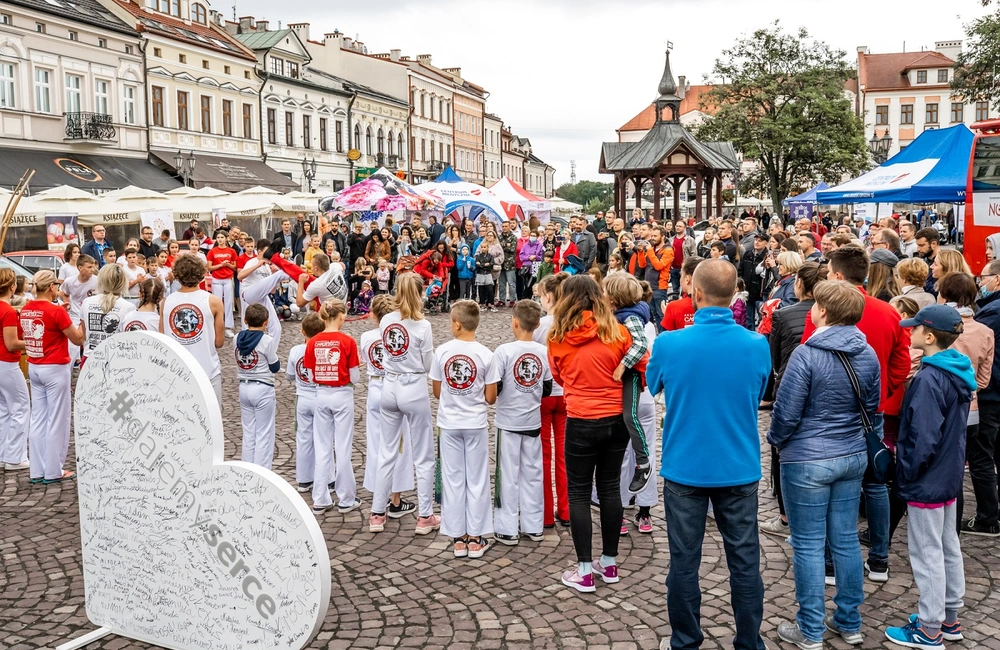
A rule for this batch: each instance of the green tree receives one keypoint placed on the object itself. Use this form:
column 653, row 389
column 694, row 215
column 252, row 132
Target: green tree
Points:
column 976, row 70
column 783, row 106
column 586, row 191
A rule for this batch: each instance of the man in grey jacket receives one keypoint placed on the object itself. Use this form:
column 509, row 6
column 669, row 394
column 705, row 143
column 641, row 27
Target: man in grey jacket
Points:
column 585, row 241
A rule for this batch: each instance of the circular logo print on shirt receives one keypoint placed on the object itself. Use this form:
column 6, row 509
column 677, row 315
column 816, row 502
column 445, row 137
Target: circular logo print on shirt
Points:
column 302, row 372
column 396, row 340
column 186, row 322
column 246, row 361
column 135, row 326
column 527, row 370
column 376, row 355
column 460, row 372
column 111, row 322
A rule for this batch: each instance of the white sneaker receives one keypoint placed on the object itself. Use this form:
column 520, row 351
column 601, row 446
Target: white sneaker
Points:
column 16, row 466
column 229, row 334
column 776, row 527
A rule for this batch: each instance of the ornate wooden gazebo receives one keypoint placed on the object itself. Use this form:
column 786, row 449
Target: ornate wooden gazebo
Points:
column 669, row 153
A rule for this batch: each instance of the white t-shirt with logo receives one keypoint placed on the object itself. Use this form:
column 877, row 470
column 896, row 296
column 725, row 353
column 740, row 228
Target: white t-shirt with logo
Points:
column 523, row 367
column 296, row 371
column 188, row 319
column 78, row 291
column 373, row 353
column 540, row 335
column 409, row 346
column 99, row 325
column 464, row 368
column 141, row 321
column 255, row 365
column 329, row 285
column 133, row 275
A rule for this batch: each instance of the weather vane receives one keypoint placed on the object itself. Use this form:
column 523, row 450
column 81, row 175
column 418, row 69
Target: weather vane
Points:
column 670, row 45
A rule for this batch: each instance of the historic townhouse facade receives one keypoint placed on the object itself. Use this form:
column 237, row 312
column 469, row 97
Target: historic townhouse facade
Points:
column 470, row 106
column 431, row 130
column 492, row 148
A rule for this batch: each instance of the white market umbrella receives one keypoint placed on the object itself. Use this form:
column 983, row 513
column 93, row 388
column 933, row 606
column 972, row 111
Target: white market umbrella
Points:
column 180, row 191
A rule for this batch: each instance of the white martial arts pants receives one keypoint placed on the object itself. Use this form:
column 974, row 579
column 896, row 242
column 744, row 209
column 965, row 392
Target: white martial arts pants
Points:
column 258, row 293
column 402, row 474
column 405, row 399
column 14, row 412
column 520, row 461
column 224, row 290
column 305, row 453
column 257, row 405
column 465, row 482
column 48, row 434
column 333, row 441
column 216, row 382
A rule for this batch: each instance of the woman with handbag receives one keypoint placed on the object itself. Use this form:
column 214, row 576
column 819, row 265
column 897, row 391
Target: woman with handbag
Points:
column 828, row 391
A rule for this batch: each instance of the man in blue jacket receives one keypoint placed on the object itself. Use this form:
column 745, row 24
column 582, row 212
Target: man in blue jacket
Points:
column 980, row 449
column 711, row 454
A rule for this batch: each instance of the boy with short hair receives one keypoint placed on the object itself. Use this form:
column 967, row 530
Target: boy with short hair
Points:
column 718, row 251
column 467, row 370
column 305, row 403
column 930, row 468
column 110, row 256
column 75, row 290
column 135, row 274
column 525, row 378
column 256, row 364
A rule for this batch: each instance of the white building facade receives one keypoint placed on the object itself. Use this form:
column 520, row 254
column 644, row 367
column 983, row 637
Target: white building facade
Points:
column 492, row 148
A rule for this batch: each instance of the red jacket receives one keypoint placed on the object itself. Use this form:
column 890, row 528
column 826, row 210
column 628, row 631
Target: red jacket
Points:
column 880, row 325
column 558, row 259
column 424, row 270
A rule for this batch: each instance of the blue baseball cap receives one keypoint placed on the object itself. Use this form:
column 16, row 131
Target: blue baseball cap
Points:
column 937, row 317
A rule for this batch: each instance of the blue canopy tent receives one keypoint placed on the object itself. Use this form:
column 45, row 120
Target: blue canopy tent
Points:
column 462, row 196
column 932, row 169
column 802, row 205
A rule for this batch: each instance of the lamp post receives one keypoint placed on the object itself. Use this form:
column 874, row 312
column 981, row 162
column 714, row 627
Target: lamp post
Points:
column 309, row 171
column 879, row 147
column 184, row 166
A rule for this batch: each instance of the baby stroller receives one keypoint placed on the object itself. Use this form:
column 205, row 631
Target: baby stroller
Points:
column 436, row 294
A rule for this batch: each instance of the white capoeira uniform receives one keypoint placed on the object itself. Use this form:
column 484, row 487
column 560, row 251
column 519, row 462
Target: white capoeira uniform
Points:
column 409, row 352
column 372, row 356
column 464, row 369
column 132, row 294
column 332, row 357
column 141, row 321
column 255, row 368
column 14, row 402
column 100, row 326
column 188, row 319
column 523, row 368
column 305, row 411
column 77, row 291
column 256, row 288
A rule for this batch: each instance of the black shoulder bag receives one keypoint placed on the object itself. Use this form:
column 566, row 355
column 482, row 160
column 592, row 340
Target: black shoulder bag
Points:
column 881, row 463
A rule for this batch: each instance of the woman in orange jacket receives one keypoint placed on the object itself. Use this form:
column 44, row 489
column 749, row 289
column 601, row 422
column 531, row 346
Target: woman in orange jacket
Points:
column 586, row 344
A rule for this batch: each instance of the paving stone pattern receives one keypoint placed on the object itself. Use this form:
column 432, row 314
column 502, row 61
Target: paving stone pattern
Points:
column 396, row 590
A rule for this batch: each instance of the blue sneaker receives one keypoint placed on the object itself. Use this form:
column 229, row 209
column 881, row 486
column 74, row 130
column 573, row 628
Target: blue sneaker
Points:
column 912, row 635
column 951, row 632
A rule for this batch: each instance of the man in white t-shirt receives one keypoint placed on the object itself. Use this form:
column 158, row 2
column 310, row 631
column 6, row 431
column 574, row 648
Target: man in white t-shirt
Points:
column 329, row 282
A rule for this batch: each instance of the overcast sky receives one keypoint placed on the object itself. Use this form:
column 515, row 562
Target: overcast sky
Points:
column 567, row 73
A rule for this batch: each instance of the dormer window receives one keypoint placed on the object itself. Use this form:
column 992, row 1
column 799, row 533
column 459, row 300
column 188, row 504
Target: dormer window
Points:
column 921, row 76
column 198, row 14
column 170, row 7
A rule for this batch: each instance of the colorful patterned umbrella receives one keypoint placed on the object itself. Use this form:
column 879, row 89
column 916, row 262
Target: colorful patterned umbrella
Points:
column 382, row 192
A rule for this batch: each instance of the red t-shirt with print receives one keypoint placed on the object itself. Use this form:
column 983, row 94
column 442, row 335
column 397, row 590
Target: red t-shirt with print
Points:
column 43, row 323
column 330, row 356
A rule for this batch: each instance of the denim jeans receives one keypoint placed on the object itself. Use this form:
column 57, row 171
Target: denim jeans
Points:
column 659, row 296
column 735, row 509
column 877, row 510
column 675, row 281
column 822, row 498
column 507, row 289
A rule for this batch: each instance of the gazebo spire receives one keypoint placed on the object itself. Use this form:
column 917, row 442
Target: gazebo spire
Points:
column 668, row 98
column 667, row 87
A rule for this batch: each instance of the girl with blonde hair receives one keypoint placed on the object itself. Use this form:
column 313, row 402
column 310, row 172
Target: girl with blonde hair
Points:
column 102, row 315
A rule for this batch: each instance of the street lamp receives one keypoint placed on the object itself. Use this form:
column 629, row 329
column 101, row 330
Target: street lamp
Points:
column 184, row 166
column 309, row 171
column 879, row 147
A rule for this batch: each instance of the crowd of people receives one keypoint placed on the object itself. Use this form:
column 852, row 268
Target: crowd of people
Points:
column 871, row 345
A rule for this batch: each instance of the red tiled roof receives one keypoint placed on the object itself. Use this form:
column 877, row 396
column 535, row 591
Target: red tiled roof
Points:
column 208, row 36
column 692, row 97
column 886, row 71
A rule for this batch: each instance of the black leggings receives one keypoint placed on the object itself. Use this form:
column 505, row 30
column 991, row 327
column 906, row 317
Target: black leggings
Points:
column 594, row 451
column 631, row 389
column 485, row 294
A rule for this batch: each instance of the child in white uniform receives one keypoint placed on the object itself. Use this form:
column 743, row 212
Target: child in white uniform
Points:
column 465, row 381
column 256, row 284
column 305, row 404
column 373, row 357
column 102, row 314
column 75, row 289
column 256, row 363
column 406, row 337
column 146, row 317
column 135, row 273
column 525, row 379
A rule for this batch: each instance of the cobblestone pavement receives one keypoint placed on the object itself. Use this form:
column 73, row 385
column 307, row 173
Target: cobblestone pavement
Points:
column 397, row 590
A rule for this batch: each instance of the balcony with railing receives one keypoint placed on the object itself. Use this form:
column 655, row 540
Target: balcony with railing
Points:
column 96, row 128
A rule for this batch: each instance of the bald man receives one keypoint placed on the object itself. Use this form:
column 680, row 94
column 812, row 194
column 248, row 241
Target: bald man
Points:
column 711, row 454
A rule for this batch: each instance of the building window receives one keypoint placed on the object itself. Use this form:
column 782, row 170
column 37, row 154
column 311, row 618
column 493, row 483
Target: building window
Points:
column 246, row 74
column 982, row 111
column 957, row 112
column 881, row 115
column 423, row 149
column 441, row 110
column 43, row 92
column 324, row 141
column 448, row 157
column 293, row 70
column 101, row 96
column 381, row 141
column 277, row 66
column 206, row 114
column 399, row 142
column 102, row 42
column 432, row 150
column 357, row 138
column 182, row 110
column 7, row 99
column 73, row 36
column 157, row 52
column 441, row 151
column 413, row 146
column 128, row 49
column 389, row 144
column 227, row 69
column 157, row 106
column 307, row 131
column 204, row 64
column 921, row 76
column 40, row 28
column 338, row 136
column 289, row 129
column 227, row 117
column 247, row 120
column 942, row 76
column 128, row 107
column 73, row 100
column 6, row 19
column 272, row 126
column 182, row 58
column 422, row 97
column 931, row 116
column 906, row 114
column 198, row 14
column 368, row 141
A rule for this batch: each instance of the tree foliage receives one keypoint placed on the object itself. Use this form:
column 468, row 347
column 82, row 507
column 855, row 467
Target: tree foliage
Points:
column 978, row 67
column 592, row 195
column 782, row 104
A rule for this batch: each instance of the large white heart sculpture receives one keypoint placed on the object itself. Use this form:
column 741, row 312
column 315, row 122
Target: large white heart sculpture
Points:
column 180, row 548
